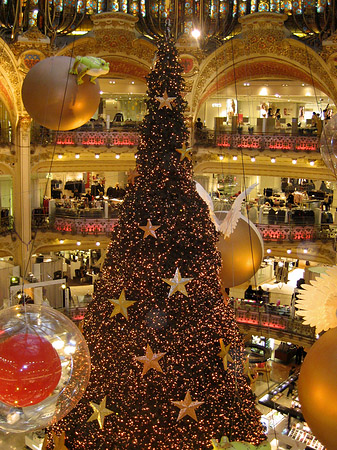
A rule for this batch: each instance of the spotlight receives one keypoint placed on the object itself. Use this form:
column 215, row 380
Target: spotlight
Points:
column 78, row 243
column 221, row 157
column 117, row 156
column 195, row 33
column 294, row 161
column 63, row 286
column 305, row 250
column 252, row 159
column 77, row 155
column 288, row 251
column 60, row 156
column 268, row 250
column 97, row 155
column 273, row 160
column 61, row 241
column 98, row 244
column 235, row 158
column 312, row 163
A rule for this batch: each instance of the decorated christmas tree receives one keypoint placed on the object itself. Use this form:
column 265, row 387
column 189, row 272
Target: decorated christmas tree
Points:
column 167, row 356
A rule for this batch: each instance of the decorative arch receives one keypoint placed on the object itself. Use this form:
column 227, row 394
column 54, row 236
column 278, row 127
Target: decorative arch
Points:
column 251, row 55
column 10, row 83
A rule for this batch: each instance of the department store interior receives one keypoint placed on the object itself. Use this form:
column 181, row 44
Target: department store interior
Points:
column 262, row 131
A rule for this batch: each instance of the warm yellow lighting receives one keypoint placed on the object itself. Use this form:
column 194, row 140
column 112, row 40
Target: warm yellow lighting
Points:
column 235, row 158
column 268, row 250
column 195, row 33
column 305, row 250
column 117, row 156
column 97, row 155
column 78, row 243
column 60, row 156
column 98, row 244
column 263, row 91
column 312, row 163
column 77, row 155
column 273, row 160
column 63, row 286
column 61, row 241
column 252, row 159
column 294, row 161
column 288, row 251
column 221, row 157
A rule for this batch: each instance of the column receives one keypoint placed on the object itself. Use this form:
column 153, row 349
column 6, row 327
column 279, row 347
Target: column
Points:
column 22, row 195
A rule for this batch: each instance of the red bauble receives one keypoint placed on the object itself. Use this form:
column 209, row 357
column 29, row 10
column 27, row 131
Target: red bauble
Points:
column 30, row 370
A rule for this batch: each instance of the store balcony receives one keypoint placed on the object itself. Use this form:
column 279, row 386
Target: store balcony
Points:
column 277, row 324
column 124, row 136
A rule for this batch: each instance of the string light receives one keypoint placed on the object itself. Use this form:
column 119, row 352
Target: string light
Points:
column 185, row 329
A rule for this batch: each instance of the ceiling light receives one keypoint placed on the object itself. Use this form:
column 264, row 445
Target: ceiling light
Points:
column 235, row 158
column 268, row 250
column 312, row 163
column 117, row 156
column 100, row 92
column 96, row 155
column 252, row 159
column 60, row 156
column 305, row 250
column 273, row 160
column 78, row 243
column 277, row 95
column 288, row 251
column 110, row 82
column 294, row 161
column 63, row 286
column 221, row 157
column 61, row 241
column 195, row 33
column 77, row 155
column 132, row 82
column 98, row 244
column 114, row 82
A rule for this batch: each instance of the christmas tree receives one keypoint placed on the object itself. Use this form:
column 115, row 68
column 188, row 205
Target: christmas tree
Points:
column 167, row 356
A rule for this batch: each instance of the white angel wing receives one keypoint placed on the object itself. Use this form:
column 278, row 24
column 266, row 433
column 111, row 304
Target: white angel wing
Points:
column 209, row 202
column 230, row 222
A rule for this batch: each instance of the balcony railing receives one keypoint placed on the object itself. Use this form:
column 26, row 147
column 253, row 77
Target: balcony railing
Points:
column 267, row 142
column 130, row 138
column 275, row 322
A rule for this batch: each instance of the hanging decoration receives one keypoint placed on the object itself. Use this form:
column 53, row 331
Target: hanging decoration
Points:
column 317, row 389
column 150, row 360
column 100, row 412
column 177, row 283
column 121, row 305
column 53, row 98
column 241, row 253
column 149, row 229
column 328, row 144
column 44, row 367
column 317, row 302
column 187, row 407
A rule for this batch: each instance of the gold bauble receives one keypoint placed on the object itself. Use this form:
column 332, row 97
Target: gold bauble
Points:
column 241, row 253
column 317, row 389
column 53, row 98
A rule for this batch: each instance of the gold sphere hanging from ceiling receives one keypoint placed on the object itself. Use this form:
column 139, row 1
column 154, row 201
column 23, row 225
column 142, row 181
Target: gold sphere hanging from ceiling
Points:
column 241, row 253
column 317, row 389
column 53, row 98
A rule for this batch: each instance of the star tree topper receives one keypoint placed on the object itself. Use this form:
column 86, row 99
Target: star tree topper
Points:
column 177, row 283
column 100, row 412
column 121, row 305
column 165, row 101
column 224, row 354
column 184, row 152
column 150, row 360
column 187, row 407
column 149, row 229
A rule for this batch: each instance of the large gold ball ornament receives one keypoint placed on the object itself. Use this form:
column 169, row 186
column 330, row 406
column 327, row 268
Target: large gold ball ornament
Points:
column 241, row 253
column 317, row 389
column 53, row 98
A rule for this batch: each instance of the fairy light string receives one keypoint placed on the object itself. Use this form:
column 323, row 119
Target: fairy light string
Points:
column 186, row 329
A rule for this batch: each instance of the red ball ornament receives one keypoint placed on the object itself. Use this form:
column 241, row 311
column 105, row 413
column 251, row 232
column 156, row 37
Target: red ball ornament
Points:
column 30, row 370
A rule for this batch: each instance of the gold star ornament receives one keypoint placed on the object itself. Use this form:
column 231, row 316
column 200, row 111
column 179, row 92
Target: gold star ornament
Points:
column 58, row 441
column 149, row 229
column 224, row 354
column 165, row 101
column 185, row 152
column 187, row 407
column 121, row 305
column 177, row 283
column 100, row 412
column 150, row 360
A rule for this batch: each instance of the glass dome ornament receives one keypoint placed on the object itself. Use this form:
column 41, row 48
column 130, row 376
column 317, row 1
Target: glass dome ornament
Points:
column 44, row 367
column 328, row 144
